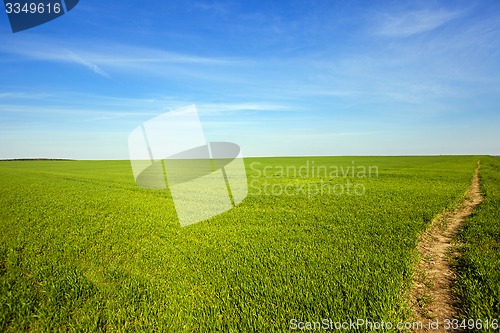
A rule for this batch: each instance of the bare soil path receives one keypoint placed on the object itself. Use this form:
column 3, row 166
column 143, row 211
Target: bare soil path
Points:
column 431, row 296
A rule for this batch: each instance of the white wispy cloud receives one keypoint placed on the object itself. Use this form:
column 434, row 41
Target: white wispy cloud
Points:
column 213, row 7
column 23, row 95
column 224, row 108
column 91, row 105
column 47, row 51
column 93, row 67
column 101, row 58
column 82, row 112
column 129, row 55
column 408, row 23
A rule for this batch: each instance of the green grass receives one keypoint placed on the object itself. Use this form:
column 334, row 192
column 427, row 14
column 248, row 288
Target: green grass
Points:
column 82, row 248
column 479, row 266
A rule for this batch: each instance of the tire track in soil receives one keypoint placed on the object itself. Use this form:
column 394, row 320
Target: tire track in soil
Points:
column 431, row 296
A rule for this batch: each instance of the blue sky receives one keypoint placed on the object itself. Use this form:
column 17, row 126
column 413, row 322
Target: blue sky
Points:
column 278, row 78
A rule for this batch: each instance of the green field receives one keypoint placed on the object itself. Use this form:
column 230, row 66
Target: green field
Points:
column 478, row 268
column 82, row 248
